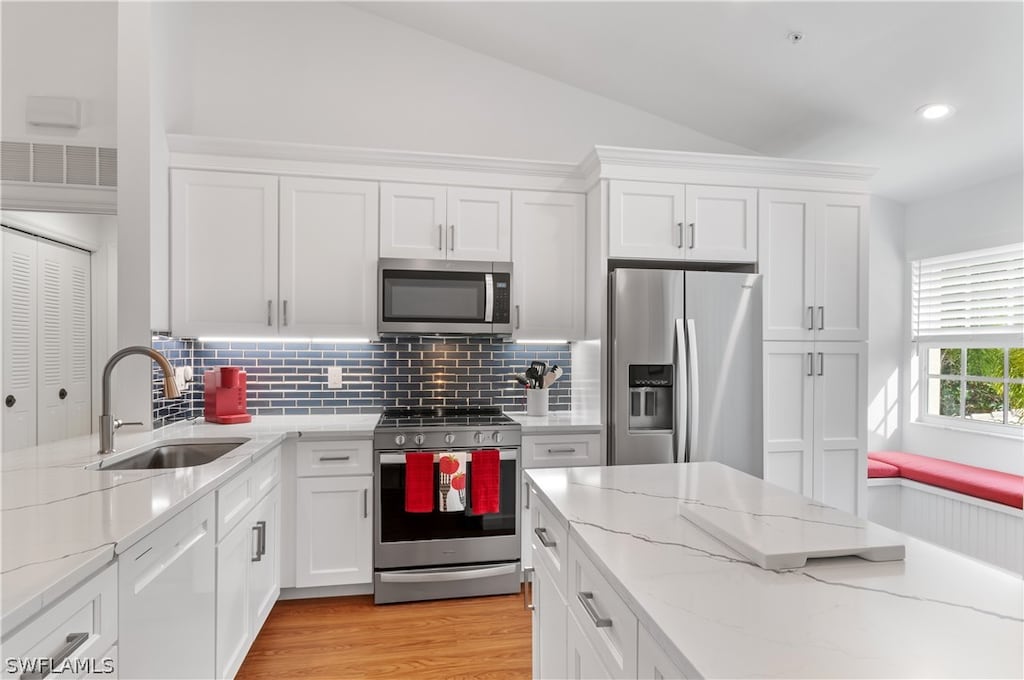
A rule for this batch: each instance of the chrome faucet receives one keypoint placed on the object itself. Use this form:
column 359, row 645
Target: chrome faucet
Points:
column 108, row 424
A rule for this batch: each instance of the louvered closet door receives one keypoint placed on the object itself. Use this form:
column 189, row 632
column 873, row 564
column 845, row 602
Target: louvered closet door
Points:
column 77, row 342
column 19, row 334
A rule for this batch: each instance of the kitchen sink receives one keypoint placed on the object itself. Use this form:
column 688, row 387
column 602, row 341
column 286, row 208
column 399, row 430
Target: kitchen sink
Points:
column 170, row 454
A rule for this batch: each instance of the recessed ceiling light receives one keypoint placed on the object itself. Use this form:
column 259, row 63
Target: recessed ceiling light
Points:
column 935, row 111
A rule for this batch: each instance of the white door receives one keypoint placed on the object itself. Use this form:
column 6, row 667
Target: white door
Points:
column 583, row 661
column 549, row 619
column 265, row 566
column 841, row 257
column 479, row 224
column 223, row 253
column 840, row 425
column 19, row 341
column 333, row 536
column 645, row 220
column 549, row 249
column 722, row 224
column 328, row 258
column 789, row 415
column 234, row 614
column 413, row 221
column 786, row 245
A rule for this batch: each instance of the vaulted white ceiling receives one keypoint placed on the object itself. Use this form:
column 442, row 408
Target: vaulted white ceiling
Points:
column 847, row 92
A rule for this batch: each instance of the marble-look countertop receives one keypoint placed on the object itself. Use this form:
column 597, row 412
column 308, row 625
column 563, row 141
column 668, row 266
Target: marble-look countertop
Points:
column 935, row 613
column 558, row 422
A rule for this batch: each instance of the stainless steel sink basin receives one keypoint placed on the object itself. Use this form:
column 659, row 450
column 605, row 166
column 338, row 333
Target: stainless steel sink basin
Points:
column 171, row 454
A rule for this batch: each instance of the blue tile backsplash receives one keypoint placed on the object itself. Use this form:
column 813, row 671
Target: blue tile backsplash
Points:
column 286, row 378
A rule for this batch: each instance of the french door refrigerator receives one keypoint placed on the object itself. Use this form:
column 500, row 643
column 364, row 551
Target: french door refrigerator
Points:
column 685, row 368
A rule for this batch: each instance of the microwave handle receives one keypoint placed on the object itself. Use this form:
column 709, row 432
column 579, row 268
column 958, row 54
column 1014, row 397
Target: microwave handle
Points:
column 488, row 298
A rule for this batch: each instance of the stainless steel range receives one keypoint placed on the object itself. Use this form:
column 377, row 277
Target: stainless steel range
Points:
column 447, row 549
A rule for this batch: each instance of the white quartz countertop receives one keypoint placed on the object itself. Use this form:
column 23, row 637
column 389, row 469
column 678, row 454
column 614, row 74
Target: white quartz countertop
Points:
column 933, row 614
column 557, row 422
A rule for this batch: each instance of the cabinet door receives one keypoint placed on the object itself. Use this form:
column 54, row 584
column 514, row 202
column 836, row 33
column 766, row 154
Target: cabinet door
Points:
column 786, row 245
column 19, row 341
column 333, row 536
column 265, row 565
column 223, row 253
column 234, row 613
column 652, row 661
column 413, row 221
column 526, row 527
column 549, row 251
column 722, row 224
column 841, row 260
column 840, row 425
column 479, row 224
column 789, row 415
column 328, row 258
column 583, row 663
column 549, row 618
column 645, row 220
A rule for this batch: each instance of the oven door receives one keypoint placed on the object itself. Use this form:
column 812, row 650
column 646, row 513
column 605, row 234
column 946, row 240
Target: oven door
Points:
column 413, row 539
column 428, row 296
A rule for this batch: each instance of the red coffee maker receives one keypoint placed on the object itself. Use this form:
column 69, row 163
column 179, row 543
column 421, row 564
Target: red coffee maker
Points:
column 224, row 389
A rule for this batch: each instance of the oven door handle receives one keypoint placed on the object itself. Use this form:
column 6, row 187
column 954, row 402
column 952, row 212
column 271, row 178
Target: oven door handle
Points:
column 433, row 576
column 392, row 458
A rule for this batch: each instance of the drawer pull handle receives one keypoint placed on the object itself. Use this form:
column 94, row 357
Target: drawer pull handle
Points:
column 587, row 600
column 72, row 642
column 565, row 450
column 542, row 534
column 324, row 459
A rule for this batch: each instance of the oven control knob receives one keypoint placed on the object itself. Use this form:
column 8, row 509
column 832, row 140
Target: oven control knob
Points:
column 449, row 438
column 399, row 439
column 479, row 437
column 418, row 439
column 496, row 437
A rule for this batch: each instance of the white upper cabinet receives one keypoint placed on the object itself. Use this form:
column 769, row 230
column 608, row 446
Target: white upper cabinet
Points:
column 549, row 249
column 813, row 254
column 223, row 253
column 328, row 258
column 425, row 221
column 662, row 221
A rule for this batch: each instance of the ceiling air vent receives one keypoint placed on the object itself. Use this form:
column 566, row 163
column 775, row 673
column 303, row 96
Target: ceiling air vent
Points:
column 15, row 162
column 88, row 166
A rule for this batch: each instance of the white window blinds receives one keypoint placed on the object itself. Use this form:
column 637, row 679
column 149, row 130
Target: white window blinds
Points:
column 977, row 293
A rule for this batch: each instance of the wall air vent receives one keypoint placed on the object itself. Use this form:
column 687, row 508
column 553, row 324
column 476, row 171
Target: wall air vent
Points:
column 87, row 166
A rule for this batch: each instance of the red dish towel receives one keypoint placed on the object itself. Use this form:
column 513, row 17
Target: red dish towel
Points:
column 486, row 481
column 419, row 482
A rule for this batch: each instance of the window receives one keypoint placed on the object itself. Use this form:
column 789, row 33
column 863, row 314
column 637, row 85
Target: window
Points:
column 968, row 324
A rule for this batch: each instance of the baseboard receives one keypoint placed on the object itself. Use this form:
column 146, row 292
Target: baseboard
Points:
column 326, row 591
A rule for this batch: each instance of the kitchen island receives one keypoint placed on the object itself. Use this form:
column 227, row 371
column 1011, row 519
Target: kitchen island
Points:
column 646, row 573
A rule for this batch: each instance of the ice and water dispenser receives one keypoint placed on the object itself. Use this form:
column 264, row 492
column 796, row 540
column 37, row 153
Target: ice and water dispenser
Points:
column 650, row 396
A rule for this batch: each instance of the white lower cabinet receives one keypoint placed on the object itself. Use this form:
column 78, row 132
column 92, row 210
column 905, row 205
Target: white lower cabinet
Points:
column 334, row 531
column 583, row 661
column 652, row 661
column 549, row 612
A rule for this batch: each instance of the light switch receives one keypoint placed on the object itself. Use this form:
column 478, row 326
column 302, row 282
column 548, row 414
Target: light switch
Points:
column 334, row 378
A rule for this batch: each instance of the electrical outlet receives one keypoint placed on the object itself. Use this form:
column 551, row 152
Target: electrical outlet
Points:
column 334, row 381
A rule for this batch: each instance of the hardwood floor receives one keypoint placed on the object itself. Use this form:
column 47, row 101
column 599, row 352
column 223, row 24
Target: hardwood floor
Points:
column 349, row 637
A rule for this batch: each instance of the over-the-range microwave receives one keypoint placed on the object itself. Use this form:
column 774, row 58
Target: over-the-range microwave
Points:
column 442, row 297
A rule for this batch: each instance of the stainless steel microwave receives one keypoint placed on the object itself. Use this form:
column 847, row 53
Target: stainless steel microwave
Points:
column 441, row 297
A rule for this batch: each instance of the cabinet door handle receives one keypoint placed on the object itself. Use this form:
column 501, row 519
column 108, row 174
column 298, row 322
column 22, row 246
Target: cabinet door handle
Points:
column 256, row 540
column 810, row 363
column 542, row 534
column 451, row 237
column 366, row 510
column 263, row 537
column 72, row 642
column 810, row 317
column 284, row 312
column 10, row 401
column 62, row 394
column 681, row 237
column 324, row 459
column 821, row 318
column 528, row 583
column 569, row 449
column 270, row 319
column 526, row 493
column 587, row 600
column 693, row 235
column 440, row 237
column 821, row 363
column 517, row 317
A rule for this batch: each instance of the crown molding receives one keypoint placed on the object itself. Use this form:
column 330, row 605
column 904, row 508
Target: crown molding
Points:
column 58, row 198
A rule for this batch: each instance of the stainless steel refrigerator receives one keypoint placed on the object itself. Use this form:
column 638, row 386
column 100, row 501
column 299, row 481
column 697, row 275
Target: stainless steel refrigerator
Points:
column 685, row 368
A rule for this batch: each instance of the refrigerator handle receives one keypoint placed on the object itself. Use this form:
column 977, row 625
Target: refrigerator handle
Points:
column 679, row 432
column 693, row 362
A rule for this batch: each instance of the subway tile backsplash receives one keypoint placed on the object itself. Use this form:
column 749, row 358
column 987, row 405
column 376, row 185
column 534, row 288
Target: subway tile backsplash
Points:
column 289, row 378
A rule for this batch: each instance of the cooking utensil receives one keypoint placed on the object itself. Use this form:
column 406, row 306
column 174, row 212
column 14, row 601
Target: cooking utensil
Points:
column 552, row 376
column 533, row 377
column 521, row 379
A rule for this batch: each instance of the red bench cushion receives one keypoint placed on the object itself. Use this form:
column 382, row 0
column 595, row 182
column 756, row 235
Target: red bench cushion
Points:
column 877, row 468
column 992, row 485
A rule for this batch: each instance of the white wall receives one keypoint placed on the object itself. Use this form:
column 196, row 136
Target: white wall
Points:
column 327, row 73
column 982, row 216
column 63, row 49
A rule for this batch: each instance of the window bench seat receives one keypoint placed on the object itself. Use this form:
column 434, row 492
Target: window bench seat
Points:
column 969, row 509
